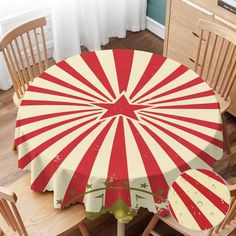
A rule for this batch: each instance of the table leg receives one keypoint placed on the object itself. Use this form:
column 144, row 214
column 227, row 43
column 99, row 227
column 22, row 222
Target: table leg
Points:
column 120, row 228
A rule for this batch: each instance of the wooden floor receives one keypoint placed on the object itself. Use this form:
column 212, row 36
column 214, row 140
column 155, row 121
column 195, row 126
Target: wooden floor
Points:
column 105, row 225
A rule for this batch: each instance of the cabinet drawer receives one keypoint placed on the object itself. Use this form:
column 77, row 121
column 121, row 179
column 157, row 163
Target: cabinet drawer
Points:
column 175, row 54
column 187, row 14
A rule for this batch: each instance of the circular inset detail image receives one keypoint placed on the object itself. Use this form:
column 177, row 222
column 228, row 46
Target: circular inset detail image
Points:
column 199, row 199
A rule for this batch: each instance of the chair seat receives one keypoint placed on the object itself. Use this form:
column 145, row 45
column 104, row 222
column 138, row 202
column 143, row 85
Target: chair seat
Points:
column 223, row 104
column 38, row 213
column 17, row 100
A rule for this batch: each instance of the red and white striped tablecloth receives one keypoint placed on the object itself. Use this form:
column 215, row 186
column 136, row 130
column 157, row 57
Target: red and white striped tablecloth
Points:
column 114, row 128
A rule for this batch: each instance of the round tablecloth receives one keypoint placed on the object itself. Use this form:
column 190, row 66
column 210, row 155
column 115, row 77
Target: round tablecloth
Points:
column 113, row 129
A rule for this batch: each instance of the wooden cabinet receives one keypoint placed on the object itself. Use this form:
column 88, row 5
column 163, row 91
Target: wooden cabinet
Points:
column 182, row 33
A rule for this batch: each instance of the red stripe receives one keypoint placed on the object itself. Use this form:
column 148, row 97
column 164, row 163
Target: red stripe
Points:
column 123, row 62
column 187, row 97
column 179, row 162
column 172, row 211
column 118, row 169
column 204, row 123
column 212, row 175
column 28, row 157
column 93, row 63
column 57, row 81
column 70, row 70
column 211, row 196
column 81, row 175
column 155, row 176
column 199, row 153
column 200, row 218
column 192, row 106
column 53, row 92
column 37, row 132
column 205, row 137
column 44, row 177
column 153, row 66
column 46, row 103
column 33, row 119
column 187, row 85
column 174, row 75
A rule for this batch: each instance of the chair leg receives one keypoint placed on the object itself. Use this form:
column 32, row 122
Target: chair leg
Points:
column 83, row 229
column 225, row 135
column 151, row 225
column 13, row 146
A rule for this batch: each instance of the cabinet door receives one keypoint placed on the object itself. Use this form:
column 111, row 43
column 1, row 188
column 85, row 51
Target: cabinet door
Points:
column 184, row 32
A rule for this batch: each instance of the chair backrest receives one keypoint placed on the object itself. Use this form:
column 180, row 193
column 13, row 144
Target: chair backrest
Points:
column 9, row 211
column 24, row 50
column 216, row 57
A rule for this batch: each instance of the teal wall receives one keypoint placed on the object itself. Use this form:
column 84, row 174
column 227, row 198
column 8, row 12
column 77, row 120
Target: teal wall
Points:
column 156, row 9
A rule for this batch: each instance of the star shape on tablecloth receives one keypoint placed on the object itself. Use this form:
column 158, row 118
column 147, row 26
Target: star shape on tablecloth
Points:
column 88, row 186
column 59, row 201
column 144, row 185
column 121, row 107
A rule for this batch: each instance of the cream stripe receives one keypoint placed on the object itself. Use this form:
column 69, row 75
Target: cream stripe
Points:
column 71, row 163
column 211, row 212
column 43, row 123
column 166, row 69
column 185, row 92
column 211, row 184
column 62, row 75
column 58, row 88
column 204, row 130
column 36, row 141
column 187, row 155
column 107, row 62
column 184, row 78
column 80, row 65
column 99, row 171
column 139, row 65
column 137, row 172
column 209, row 148
column 184, row 217
column 165, row 163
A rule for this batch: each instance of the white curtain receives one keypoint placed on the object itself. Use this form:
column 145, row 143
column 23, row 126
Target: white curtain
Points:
column 86, row 22
column 92, row 22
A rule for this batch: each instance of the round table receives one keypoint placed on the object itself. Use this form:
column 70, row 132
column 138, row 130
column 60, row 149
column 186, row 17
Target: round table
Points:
column 113, row 129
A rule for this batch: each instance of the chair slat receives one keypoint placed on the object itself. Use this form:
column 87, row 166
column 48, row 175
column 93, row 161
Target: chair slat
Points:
column 26, row 58
column 213, row 80
column 219, row 78
column 205, row 54
column 4, row 213
column 227, row 65
column 21, row 79
column 38, row 52
column 18, row 218
column 11, row 74
column 211, row 57
column 13, row 69
column 21, row 62
column 199, row 51
column 44, row 48
column 31, row 53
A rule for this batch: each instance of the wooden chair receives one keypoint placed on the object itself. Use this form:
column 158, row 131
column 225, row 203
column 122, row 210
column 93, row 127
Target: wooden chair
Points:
column 24, row 50
column 227, row 227
column 34, row 214
column 216, row 63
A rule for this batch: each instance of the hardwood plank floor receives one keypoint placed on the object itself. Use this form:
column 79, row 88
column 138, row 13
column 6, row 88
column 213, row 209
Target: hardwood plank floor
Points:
column 105, row 225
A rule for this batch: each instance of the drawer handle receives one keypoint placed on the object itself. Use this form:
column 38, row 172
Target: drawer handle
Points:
column 191, row 59
column 195, row 34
